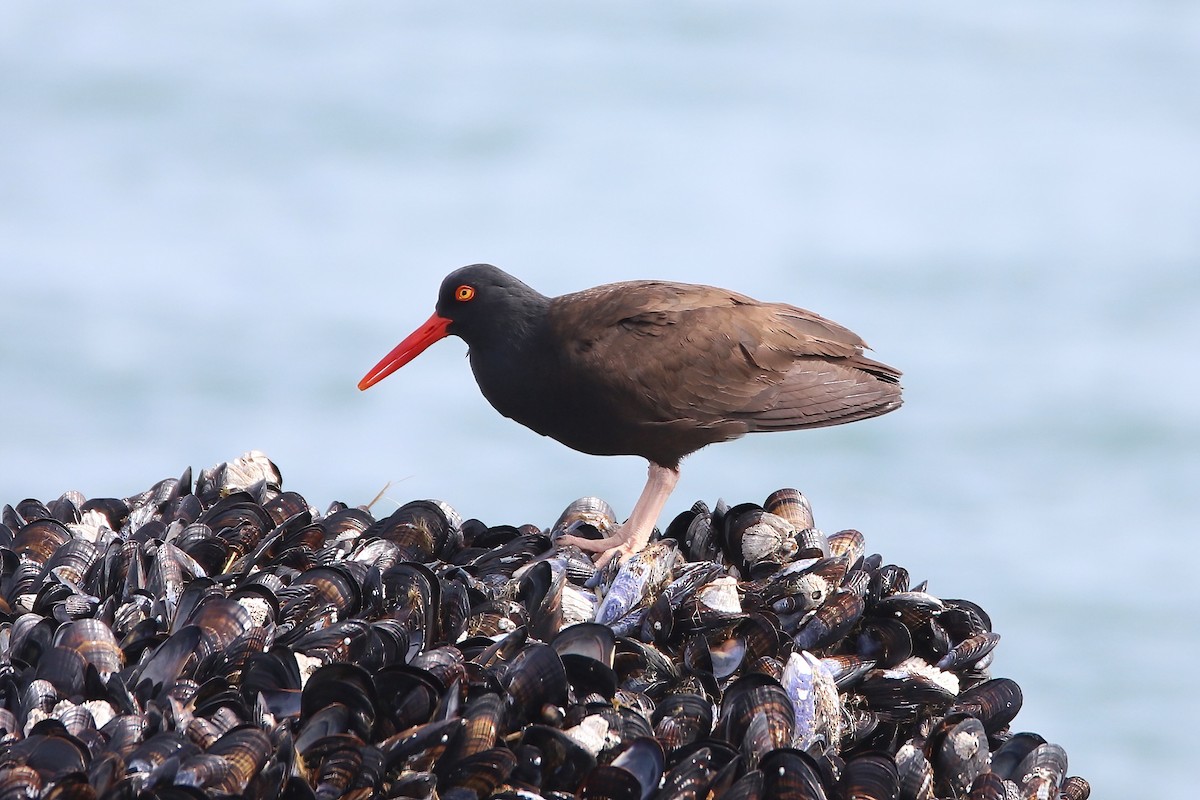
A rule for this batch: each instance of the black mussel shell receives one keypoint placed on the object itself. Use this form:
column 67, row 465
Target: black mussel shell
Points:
column 914, row 773
column 587, row 651
column 833, row 620
column 480, row 774
column 680, row 719
column 995, row 703
column 424, row 530
column 988, row 786
column 1047, row 761
column 756, row 713
column 609, row 783
column 958, row 750
column 870, row 776
column 1008, row 757
column 93, row 640
column 791, row 774
column 564, row 763
column 1075, row 788
column 38, row 540
column 347, row 684
column 535, row 678
column 540, row 591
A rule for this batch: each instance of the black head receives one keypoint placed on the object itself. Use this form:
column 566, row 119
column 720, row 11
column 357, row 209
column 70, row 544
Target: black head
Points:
column 481, row 300
column 489, row 309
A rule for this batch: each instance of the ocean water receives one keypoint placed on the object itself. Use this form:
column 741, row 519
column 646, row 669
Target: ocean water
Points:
column 214, row 220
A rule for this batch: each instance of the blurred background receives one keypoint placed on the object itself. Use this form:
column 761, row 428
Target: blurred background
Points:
column 214, row 220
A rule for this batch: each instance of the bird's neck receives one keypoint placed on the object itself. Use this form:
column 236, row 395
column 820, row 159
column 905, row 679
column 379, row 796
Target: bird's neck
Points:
column 511, row 341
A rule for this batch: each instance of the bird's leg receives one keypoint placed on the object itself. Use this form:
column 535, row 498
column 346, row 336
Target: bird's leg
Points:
column 635, row 533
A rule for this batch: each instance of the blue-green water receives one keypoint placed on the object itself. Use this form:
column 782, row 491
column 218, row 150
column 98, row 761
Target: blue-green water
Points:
column 214, row 221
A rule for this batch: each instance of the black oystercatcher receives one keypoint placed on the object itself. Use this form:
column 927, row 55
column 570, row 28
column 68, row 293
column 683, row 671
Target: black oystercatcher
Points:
column 649, row 368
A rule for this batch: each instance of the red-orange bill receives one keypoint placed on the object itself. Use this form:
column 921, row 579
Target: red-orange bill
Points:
column 416, row 342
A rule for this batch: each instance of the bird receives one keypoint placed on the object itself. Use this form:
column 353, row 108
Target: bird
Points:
column 649, row 368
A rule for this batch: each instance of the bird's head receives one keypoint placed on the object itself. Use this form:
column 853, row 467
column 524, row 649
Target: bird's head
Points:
column 478, row 303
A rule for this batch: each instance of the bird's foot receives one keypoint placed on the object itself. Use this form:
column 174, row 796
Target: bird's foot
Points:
column 637, row 530
column 604, row 549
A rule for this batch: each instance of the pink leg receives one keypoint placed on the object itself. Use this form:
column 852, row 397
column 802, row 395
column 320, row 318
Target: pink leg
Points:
column 635, row 533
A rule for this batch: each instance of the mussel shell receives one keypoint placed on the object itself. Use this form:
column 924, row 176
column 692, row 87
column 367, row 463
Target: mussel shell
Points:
column 1075, row 788
column 752, row 534
column 220, row 621
column 412, row 596
column 911, row 608
column 444, row 663
column 680, row 719
column 695, row 531
column 481, row 773
column 988, row 786
column 64, row 668
column 899, row 693
column 250, row 469
column 638, row 664
column 113, row 510
column 93, row 640
column 959, row 753
column 239, row 520
column 536, row 677
column 72, row 561
column 203, row 546
column 347, row 684
column 885, row 640
column 66, row 509
column 914, row 773
column 690, row 777
column 969, row 651
column 591, row 512
column 38, row 540
column 758, row 704
column 848, row 669
column 53, row 756
column 247, row 749
column 643, row 758
column 995, row 703
column 564, row 763
column 540, row 591
column 30, row 636
column 815, row 702
column 870, row 776
column 835, row 617
column 233, row 641
column 484, row 723
column 587, row 651
column 1047, row 761
column 423, row 529
column 1009, row 756
column 336, row 585
column 849, row 543
column 288, row 506
column 887, row 580
column 610, row 783
column 792, row 506
column 791, row 774
column 803, row 585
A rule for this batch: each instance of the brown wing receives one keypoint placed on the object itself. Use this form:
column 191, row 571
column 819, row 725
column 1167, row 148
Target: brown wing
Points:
column 716, row 358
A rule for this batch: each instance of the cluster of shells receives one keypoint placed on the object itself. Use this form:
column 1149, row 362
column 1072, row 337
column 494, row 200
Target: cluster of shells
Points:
column 222, row 638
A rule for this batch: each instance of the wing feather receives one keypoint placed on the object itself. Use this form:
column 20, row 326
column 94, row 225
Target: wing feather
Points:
column 716, row 358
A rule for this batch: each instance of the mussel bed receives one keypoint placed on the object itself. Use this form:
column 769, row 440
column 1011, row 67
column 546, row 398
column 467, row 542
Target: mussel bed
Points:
column 220, row 637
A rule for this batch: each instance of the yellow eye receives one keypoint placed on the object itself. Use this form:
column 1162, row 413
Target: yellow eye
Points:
column 464, row 293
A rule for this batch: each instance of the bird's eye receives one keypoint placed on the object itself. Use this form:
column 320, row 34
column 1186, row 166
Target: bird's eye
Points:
column 464, row 293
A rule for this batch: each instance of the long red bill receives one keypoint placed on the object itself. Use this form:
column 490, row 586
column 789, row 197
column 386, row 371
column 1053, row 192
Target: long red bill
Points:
column 433, row 329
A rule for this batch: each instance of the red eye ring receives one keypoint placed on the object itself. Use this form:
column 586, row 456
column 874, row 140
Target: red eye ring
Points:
column 464, row 293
